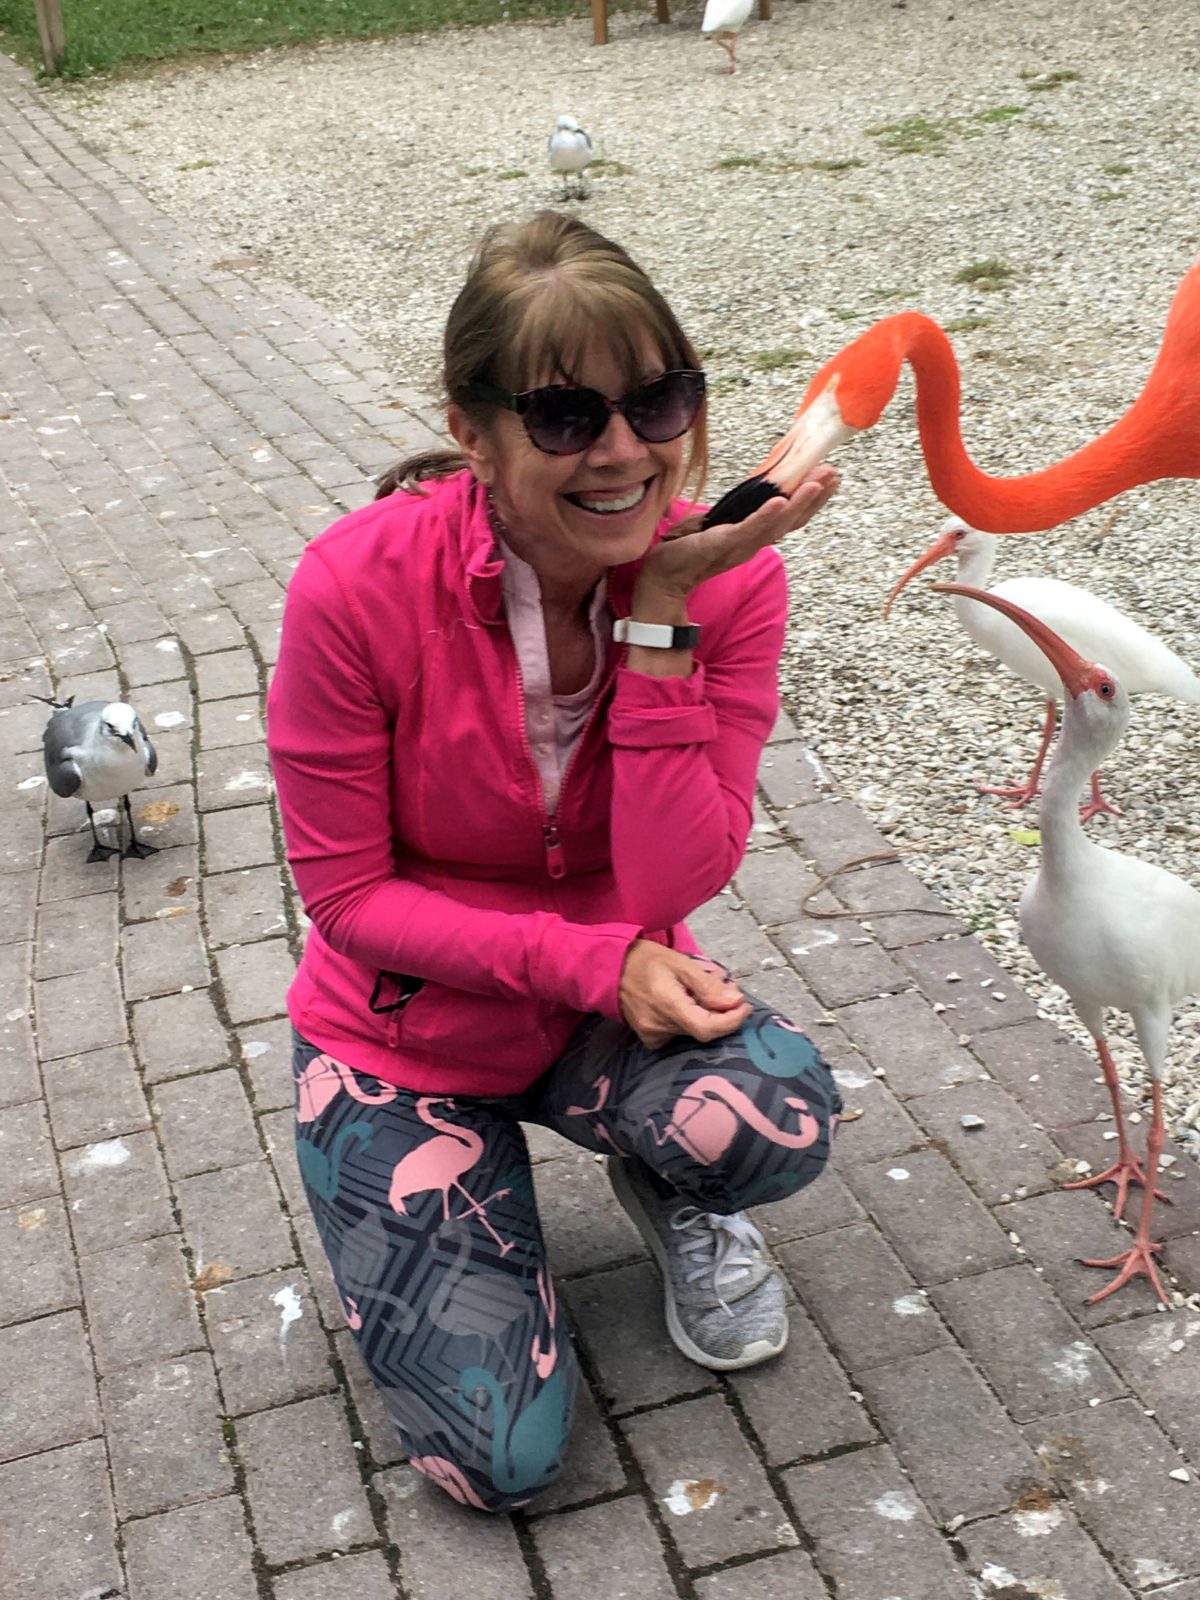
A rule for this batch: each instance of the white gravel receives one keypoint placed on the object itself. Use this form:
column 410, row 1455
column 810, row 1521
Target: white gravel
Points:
column 364, row 173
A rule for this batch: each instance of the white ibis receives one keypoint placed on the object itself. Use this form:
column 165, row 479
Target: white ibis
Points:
column 1113, row 931
column 98, row 751
column 1158, row 437
column 570, row 152
column 1089, row 625
column 723, row 21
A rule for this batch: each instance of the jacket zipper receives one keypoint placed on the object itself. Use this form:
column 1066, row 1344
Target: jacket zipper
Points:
column 556, row 864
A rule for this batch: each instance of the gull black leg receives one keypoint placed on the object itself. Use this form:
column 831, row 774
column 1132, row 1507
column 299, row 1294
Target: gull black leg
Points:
column 99, row 852
column 135, row 847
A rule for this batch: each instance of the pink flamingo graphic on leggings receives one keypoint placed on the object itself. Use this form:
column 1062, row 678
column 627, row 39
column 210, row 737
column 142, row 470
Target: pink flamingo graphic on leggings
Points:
column 544, row 1361
column 706, row 1117
column 320, row 1081
column 440, row 1163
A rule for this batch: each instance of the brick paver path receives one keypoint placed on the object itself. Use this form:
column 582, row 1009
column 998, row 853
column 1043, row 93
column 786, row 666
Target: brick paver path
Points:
column 182, row 1416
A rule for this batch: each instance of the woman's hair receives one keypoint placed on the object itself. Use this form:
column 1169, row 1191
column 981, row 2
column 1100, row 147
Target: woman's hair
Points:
column 537, row 294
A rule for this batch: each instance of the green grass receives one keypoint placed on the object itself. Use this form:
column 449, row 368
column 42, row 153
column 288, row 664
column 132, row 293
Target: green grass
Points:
column 1041, row 82
column 512, row 172
column 108, row 35
column 989, row 274
column 965, row 324
column 836, row 164
column 911, row 136
column 773, row 360
column 1117, row 169
column 1001, row 114
column 731, row 163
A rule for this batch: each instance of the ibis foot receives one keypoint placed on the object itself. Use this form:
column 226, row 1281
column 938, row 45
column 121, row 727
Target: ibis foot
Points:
column 1122, row 1173
column 101, row 852
column 1136, row 1262
column 1097, row 803
column 136, row 848
column 1019, row 793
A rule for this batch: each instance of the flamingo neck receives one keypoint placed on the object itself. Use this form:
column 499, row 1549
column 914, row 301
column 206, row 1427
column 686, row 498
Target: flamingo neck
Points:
column 1134, row 450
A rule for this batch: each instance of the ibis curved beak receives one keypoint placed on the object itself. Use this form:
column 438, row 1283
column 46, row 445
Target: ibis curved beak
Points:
column 941, row 547
column 1071, row 667
column 817, row 428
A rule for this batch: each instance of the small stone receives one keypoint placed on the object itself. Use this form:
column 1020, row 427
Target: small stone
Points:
column 971, row 1120
column 953, row 977
column 955, row 1524
column 1094, row 1401
column 1180, row 1474
column 1176, row 1345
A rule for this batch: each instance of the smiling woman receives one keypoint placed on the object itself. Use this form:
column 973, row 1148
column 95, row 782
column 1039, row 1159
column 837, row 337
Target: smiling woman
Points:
column 516, row 723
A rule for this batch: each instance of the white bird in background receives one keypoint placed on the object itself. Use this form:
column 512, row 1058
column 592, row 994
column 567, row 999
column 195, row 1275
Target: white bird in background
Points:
column 99, row 752
column 1110, row 929
column 724, row 20
column 570, row 151
column 1089, row 625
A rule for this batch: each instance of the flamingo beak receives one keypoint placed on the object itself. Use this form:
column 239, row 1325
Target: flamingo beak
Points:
column 1071, row 667
column 817, row 428
column 942, row 546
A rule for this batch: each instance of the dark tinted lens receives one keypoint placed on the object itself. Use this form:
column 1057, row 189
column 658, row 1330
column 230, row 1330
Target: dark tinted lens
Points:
column 664, row 409
column 564, row 421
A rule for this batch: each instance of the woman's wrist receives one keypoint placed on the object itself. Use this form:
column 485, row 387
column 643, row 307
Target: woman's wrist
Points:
column 657, row 605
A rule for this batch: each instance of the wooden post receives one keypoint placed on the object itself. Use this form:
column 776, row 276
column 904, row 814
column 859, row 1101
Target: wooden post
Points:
column 764, row 10
column 662, row 10
column 599, row 21
column 51, row 36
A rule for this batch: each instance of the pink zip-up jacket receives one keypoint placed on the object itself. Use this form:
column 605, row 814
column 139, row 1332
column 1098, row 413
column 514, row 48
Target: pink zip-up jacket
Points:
column 459, row 933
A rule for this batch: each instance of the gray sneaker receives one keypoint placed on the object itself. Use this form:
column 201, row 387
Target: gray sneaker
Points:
column 724, row 1298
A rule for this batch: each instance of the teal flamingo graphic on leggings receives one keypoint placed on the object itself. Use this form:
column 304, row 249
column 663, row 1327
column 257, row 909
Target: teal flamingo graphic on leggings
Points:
column 525, row 1452
column 321, row 1171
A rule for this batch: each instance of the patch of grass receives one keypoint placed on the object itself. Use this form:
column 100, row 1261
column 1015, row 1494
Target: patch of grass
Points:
column 1117, row 169
column 911, row 136
column 989, row 274
column 512, row 172
column 731, row 163
column 846, row 314
column 965, row 324
column 195, row 166
column 729, row 381
column 475, row 172
column 836, row 164
column 1041, row 82
column 1109, row 194
column 610, row 169
column 1000, row 114
column 113, row 35
column 773, row 360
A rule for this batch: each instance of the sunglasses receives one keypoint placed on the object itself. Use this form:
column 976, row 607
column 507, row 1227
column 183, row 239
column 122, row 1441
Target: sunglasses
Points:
column 564, row 419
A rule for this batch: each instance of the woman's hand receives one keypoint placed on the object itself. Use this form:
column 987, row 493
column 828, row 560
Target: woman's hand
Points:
column 665, row 993
column 687, row 554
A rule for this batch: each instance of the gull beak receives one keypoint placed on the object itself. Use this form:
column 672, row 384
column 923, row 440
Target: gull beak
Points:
column 1071, row 667
column 816, row 429
column 942, row 546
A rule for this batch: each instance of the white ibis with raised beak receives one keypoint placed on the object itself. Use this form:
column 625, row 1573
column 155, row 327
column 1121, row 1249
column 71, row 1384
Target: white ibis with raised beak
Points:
column 1113, row 931
column 1089, row 625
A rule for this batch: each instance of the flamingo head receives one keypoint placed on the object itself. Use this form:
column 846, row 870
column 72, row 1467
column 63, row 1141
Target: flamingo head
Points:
column 955, row 538
column 848, row 394
column 1103, row 703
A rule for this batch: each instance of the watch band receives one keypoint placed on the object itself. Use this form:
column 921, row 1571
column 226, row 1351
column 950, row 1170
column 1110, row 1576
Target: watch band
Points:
column 657, row 635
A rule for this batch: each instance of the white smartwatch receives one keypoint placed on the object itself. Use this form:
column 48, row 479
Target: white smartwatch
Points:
column 657, row 635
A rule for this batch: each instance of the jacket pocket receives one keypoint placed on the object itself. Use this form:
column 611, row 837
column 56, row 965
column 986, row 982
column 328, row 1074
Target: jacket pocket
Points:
column 466, row 1027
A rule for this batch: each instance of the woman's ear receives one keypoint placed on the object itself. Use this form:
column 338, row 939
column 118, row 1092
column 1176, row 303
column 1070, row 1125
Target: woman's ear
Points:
column 475, row 444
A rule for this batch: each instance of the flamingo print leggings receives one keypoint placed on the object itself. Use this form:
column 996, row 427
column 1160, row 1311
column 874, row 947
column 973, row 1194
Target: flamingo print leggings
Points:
column 425, row 1208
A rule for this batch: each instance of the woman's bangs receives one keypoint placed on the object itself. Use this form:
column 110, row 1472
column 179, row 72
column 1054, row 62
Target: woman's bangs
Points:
column 563, row 322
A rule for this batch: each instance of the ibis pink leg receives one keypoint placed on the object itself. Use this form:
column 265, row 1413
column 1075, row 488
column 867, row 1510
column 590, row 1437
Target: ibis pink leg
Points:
column 1022, row 793
column 1126, row 1169
column 1097, row 803
column 1138, row 1260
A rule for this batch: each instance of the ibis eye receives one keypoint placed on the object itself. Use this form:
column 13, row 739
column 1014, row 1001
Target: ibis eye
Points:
column 1106, row 690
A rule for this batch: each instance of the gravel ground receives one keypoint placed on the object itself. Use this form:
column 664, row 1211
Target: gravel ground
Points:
column 863, row 159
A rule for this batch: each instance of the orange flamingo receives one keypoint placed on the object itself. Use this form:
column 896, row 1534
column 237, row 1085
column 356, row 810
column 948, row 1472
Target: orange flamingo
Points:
column 1158, row 437
column 706, row 1117
column 439, row 1163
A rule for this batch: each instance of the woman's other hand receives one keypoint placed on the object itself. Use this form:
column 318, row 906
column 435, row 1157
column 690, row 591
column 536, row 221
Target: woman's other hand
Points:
column 665, row 993
column 687, row 554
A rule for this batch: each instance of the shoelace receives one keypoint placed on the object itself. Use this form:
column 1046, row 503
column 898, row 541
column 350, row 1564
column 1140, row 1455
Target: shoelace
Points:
column 730, row 1246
